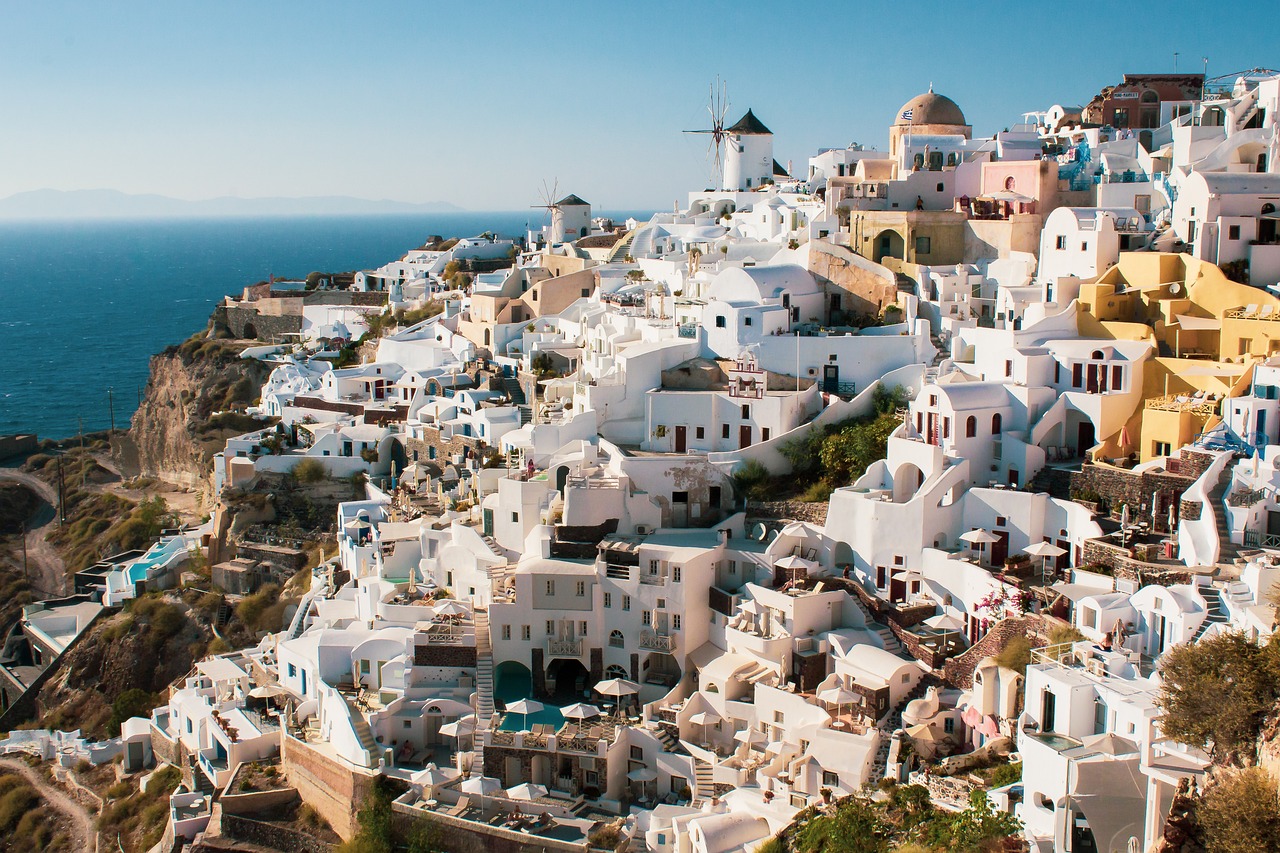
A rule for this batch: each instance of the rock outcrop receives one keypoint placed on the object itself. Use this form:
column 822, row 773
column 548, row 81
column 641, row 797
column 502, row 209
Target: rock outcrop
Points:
column 189, row 410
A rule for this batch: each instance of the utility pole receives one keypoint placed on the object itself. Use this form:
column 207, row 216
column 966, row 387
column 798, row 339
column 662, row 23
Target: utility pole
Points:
column 80, row 420
column 111, row 408
column 62, row 494
column 1175, row 62
column 25, row 573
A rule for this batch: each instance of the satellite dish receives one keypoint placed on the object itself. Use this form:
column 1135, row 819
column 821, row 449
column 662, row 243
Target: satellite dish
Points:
column 759, row 532
column 1175, row 288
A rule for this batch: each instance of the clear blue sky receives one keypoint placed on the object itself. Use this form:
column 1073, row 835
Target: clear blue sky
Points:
column 477, row 102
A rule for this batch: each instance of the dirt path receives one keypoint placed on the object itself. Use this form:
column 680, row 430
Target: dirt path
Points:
column 50, row 576
column 81, row 820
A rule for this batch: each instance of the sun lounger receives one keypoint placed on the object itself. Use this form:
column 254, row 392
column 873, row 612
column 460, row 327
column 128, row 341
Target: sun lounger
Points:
column 464, row 803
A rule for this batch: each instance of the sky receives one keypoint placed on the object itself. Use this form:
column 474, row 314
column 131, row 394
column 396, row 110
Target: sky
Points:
column 478, row 103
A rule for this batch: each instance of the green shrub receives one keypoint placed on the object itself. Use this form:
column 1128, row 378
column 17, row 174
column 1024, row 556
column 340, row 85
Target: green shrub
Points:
column 1016, row 654
column 15, row 804
column 310, row 471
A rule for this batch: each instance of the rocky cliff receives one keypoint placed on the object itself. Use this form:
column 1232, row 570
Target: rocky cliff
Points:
column 190, row 409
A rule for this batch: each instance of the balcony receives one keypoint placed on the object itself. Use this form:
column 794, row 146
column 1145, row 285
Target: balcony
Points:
column 564, row 648
column 653, row 579
column 657, row 642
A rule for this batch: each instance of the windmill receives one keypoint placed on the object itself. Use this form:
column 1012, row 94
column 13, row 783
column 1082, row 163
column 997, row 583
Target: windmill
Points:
column 548, row 194
column 717, row 107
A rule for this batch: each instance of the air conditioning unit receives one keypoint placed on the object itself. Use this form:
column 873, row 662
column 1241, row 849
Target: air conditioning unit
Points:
column 813, row 371
column 1096, row 666
column 642, row 529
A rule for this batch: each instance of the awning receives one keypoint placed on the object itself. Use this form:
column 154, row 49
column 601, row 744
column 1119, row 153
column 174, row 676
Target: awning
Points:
column 1112, row 794
column 1198, row 324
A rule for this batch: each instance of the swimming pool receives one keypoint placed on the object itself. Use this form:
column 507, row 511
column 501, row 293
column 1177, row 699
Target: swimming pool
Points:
column 513, row 683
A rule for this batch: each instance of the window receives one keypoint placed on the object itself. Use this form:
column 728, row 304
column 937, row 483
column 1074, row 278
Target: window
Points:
column 1117, row 375
column 1084, row 245
column 1001, row 521
column 615, row 639
column 1008, row 368
column 293, row 671
column 551, row 587
column 608, row 599
column 525, row 633
column 586, row 291
column 506, row 632
column 906, row 677
column 829, row 779
column 551, row 627
column 582, row 629
column 746, row 411
column 949, row 725
column 364, row 667
column 995, row 424
column 970, row 427
column 724, row 431
column 1120, row 118
column 581, row 589
column 1233, row 232
column 675, row 574
column 777, row 716
column 675, row 622
column 922, row 245
column 746, row 321
column 946, row 427
column 733, row 567
column 1162, row 448
column 764, row 433
column 720, row 321
column 646, row 617
column 940, row 189
column 626, row 602
column 701, row 432
column 515, row 518
column 408, row 724
column 637, row 754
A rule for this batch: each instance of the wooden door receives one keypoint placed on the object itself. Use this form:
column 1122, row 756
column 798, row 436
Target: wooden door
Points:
column 682, row 438
column 744, row 436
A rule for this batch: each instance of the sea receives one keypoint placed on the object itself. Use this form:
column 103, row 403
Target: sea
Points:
column 84, row 304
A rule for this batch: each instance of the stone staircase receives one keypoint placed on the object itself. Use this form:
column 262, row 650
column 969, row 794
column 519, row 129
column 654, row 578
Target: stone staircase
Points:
column 906, row 284
column 361, row 725
column 484, row 689
column 1227, row 550
column 1216, row 614
column 620, row 249
column 511, row 387
column 703, row 783
column 893, row 721
column 887, row 637
column 495, row 547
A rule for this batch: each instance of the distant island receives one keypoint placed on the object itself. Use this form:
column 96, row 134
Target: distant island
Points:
column 113, row 204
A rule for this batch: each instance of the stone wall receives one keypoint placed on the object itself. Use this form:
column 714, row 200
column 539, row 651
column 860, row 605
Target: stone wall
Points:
column 958, row 672
column 445, row 656
column 330, row 787
column 1119, row 486
column 250, row 324
column 270, row 835
column 16, row 445
column 814, row 513
column 864, row 288
column 462, row 836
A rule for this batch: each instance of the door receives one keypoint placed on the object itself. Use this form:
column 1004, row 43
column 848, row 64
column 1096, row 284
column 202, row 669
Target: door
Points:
column 831, row 378
column 682, row 436
column 1000, row 548
column 744, row 436
column 1084, row 438
column 897, row 588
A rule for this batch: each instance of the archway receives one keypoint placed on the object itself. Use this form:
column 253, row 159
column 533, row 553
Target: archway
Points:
column 567, row 680
column 889, row 244
column 512, row 680
column 562, row 476
column 250, row 332
column 907, row 480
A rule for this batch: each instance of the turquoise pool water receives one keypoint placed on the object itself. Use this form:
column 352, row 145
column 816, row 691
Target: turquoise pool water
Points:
column 514, row 683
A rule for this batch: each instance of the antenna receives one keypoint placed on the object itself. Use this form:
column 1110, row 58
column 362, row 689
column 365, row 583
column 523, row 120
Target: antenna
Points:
column 717, row 107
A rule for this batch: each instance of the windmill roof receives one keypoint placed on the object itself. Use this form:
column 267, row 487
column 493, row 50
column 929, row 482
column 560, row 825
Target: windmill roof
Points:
column 572, row 200
column 749, row 124
column 778, row 170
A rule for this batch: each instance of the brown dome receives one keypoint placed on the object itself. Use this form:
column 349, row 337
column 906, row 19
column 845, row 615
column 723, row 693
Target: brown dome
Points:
column 930, row 108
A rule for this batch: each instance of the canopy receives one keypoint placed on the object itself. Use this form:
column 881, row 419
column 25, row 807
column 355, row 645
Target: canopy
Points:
column 1044, row 549
column 579, row 711
column 617, row 687
column 1198, row 324
column 482, row 785
column 979, row 535
column 1110, row 743
column 1007, row 195
column 268, row 691
column 527, row 791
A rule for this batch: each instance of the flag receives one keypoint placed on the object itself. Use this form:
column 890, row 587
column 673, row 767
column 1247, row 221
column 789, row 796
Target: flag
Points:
column 907, row 114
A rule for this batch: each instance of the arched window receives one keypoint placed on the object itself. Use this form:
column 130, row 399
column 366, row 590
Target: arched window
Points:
column 1097, row 355
column 1010, row 183
column 1268, row 208
column 1150, row 97
column 996, row 422
column 615, row 638
column 615, row 671
column 971, row 427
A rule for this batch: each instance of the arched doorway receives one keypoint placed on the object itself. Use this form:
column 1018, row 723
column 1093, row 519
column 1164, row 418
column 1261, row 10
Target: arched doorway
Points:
column 512, row 680
column 562, row 476
column 907, row 480
column 567, row 680
column 250, row 332
column 889, row 244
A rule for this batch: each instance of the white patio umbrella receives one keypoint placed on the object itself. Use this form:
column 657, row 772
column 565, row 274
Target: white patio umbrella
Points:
column 1044, row 550
column 527, row 791
column 944, row 622
column 704, row 719
column 751, row 736
column 460, row 727
column 579, row 711
column 481, row 786
column 524, row 707
column 643, row 774
column 838, row 696
column 617, row 687
column 979, row 538
column 431, row 776
column 451, row 608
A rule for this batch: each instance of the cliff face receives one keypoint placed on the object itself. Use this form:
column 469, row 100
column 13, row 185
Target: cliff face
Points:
column 186, row 415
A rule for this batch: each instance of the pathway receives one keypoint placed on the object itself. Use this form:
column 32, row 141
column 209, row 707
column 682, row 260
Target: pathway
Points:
column 81, row 820
column 50, row 576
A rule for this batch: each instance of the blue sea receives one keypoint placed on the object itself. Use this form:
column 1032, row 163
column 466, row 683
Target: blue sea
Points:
column 84, row 304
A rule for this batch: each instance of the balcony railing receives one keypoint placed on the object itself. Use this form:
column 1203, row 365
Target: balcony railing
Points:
column 564, row 648
column 1256, row 539
column 657, row 642
column 653, row 579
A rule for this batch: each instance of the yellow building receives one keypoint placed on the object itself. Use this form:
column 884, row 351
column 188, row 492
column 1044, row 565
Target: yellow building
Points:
column 1208, row 331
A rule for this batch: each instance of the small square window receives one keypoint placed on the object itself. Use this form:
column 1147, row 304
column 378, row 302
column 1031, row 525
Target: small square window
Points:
column 1061, row 242
column 746, row 321
column 941, row 188
column 1233, row 232
column 746, row 411
column 408, row 724
column 923, row 245
column 525, row 632
column 724, row 431
column 719, row 321
column 608, row 599
column 515, row 517
column 764, row 433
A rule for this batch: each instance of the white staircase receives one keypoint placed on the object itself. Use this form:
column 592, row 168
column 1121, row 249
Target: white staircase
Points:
column 703, row 783
column 484, row 689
